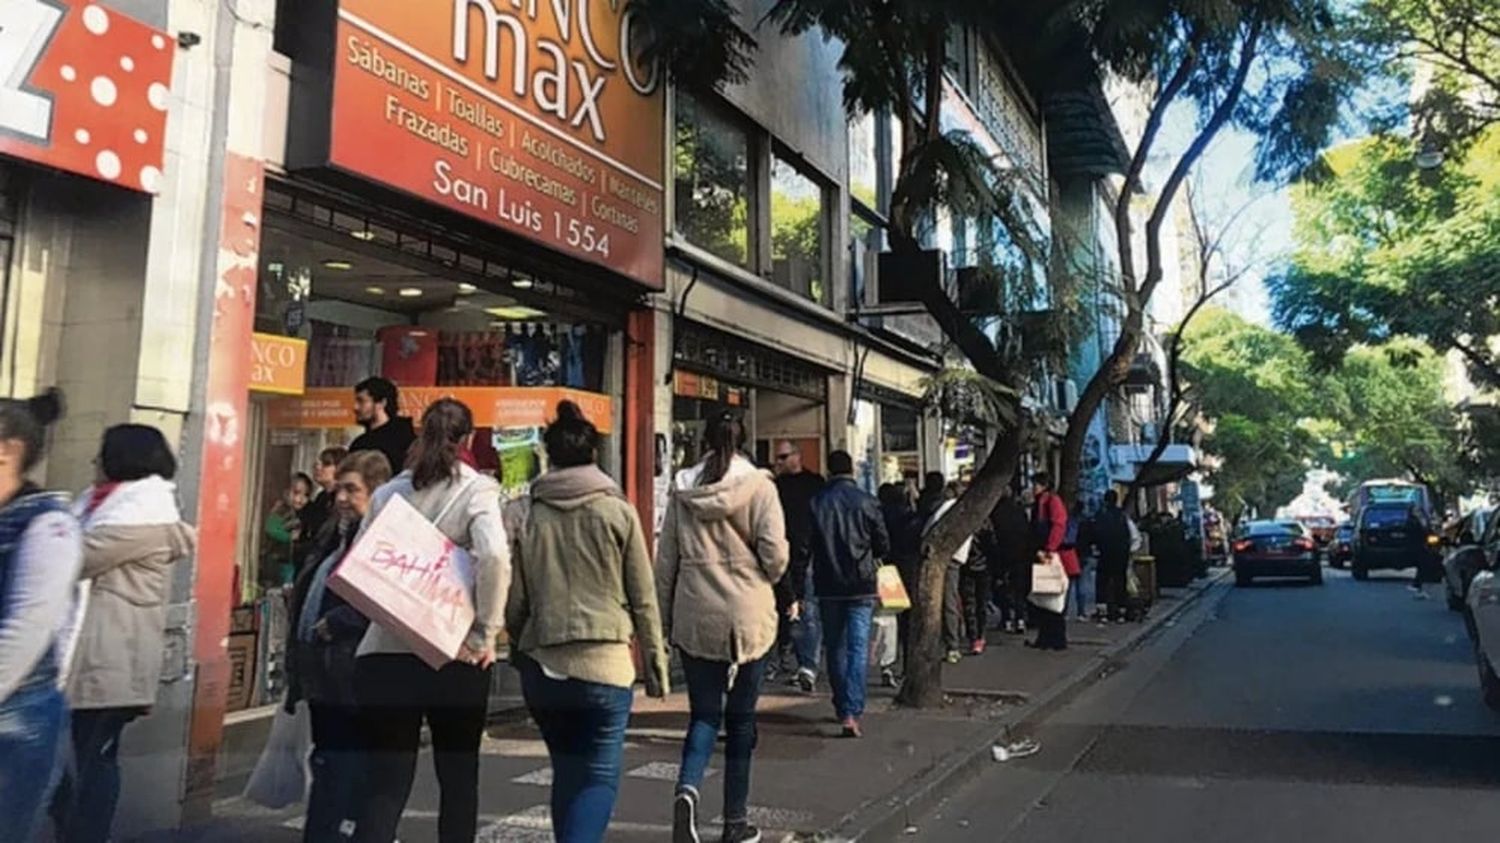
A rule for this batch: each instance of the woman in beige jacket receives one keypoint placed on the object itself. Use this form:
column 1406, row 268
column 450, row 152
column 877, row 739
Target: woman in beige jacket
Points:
column 582, row 589
column 723, row 548
column 133, row 533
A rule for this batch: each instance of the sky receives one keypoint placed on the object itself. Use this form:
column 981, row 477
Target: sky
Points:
column 1226, row 193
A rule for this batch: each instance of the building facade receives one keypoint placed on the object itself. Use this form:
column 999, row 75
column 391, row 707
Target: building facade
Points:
column 257, row 204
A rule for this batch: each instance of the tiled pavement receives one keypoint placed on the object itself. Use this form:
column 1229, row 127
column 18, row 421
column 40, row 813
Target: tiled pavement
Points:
column 807, row 779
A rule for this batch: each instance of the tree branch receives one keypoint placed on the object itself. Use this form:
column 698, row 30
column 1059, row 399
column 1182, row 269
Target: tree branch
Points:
column 1138, row 161
column 936, row 59
column 1174, row 378
column 1479, row 360
column 1189, row 159
column 964, row 333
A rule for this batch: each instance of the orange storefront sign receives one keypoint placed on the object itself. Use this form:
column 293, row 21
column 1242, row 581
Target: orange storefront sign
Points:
column 278, row 365
column 529, row 116
column 498, row 407
column 84, row 88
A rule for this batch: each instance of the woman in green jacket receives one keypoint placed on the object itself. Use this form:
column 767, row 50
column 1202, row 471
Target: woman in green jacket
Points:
column 583, row 586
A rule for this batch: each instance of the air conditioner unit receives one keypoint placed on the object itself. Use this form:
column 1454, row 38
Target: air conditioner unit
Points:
column 903, row 277
column 979, row 289
column 1067, row 394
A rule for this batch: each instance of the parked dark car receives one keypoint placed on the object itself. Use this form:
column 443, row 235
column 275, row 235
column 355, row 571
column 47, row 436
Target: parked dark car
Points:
column 1275, row 549
column 1393, row 536
column 1341, row 549
column 1468, row 554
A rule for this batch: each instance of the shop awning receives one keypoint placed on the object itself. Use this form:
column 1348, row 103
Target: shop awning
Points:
column 1128, row 461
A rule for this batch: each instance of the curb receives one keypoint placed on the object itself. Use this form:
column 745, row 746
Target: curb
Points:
column 887, row 818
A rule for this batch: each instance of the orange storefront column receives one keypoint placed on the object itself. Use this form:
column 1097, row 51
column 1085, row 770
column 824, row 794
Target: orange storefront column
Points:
column 227, row 396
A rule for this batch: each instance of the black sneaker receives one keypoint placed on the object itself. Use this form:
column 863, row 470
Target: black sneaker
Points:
column 685, row 816
column 741, row 833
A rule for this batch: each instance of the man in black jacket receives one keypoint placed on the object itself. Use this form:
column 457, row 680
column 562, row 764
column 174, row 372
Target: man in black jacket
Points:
column 848, row 541
column 1110, row 536
column 1013, row 544
column 376, row 402
column 796, row 487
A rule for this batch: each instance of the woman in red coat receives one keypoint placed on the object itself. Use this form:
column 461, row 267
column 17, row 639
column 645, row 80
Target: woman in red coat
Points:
column 1049, row 523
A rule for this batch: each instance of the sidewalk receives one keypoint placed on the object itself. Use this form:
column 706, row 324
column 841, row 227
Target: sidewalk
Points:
column 807, row 779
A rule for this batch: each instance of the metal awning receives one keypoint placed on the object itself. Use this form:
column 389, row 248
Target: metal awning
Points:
column 1176, row 463
column 1083, row 138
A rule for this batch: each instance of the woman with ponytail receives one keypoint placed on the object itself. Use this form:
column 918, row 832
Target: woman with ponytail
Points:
column 40, row 555
column 722, row 549
column 397, row 691
column 583, row 589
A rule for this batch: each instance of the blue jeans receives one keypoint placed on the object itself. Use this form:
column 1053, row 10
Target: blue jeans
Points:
column 583, row 724
column 33, row 748
column 846, row 632
column 807, row 635
column 1081, row 596
column 713, row 703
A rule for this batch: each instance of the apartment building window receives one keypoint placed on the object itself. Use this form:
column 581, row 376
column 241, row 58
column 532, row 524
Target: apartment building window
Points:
column 872, row 137
column 864, row 161
column 798, row 231
column 712, row 181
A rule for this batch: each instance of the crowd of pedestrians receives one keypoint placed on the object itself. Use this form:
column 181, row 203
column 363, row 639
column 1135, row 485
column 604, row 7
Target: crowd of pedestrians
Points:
column 758, row 574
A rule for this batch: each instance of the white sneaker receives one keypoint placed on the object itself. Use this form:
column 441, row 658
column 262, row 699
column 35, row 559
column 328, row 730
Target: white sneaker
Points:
column 685, row 816
column 806, row 680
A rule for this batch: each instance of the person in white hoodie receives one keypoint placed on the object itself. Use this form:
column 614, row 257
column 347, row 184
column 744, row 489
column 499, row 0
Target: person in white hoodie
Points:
column 396, row 691
column 723, row 547
column 133, row 533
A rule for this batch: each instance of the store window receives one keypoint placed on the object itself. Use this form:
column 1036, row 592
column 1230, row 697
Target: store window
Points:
column 892, row 164
column 864, row 161
column 900, row 443
column 869, row 184
column 712, row 181
column 866, row 242
column 797, row 232
column 340, row 300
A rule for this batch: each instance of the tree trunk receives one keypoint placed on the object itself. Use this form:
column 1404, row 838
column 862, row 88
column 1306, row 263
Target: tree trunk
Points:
column 923, row 687
column 1111, row 373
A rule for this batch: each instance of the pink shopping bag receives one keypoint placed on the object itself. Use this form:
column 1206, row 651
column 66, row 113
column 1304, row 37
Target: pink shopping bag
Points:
column 405, row 575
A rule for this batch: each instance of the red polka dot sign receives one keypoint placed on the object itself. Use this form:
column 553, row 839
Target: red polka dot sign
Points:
column 84, row 88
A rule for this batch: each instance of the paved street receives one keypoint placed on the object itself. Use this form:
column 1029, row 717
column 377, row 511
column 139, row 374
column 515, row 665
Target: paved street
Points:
column 806, row 779
column 1348, row 712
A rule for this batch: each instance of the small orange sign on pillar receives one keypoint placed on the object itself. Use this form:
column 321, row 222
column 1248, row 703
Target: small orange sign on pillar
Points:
column 278, row 365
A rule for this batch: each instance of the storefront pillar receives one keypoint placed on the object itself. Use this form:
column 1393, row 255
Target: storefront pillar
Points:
column 214, row 442
column 637, row 420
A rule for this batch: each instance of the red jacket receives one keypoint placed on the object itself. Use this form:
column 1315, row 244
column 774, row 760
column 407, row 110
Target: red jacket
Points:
column 1050, row 512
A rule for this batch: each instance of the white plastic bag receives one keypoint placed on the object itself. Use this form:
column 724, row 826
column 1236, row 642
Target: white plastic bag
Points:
column 72, row 630
column 282, row 775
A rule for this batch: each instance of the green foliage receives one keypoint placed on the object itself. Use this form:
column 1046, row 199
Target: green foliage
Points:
column 1292, row 102
column 1394, row 419
column 1255, row 386
column 696, row 42
column 965, row 396
column 1451, row 48
column 1381, row 413
column 1386, row 249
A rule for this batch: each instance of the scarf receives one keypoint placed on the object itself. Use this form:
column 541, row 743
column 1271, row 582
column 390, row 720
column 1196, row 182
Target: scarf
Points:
column 150, row 500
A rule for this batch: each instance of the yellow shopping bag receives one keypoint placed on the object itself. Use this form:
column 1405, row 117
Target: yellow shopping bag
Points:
column 893, row 596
